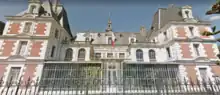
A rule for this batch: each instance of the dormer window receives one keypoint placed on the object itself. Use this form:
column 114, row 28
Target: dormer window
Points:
column 27, row 27
column 132, row 40
column 87, row 38
column 32, row 8
column 187, row 14
column 196, row 49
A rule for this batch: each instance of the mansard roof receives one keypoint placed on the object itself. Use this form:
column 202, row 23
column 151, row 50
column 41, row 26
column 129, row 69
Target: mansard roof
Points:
column 121, row 37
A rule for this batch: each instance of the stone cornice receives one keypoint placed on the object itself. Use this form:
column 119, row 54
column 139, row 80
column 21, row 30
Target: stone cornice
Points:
column 24, row 37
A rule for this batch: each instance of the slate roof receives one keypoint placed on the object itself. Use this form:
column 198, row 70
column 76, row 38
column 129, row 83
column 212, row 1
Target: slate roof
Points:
column 121, row 37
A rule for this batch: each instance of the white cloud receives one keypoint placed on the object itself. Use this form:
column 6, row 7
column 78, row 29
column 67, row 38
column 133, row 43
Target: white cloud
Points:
column 213, row 18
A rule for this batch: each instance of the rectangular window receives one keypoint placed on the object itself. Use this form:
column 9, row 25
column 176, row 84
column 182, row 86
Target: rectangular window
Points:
column 191, row 30
column 22, row 48
column 109, row 55
column 203, row 73
column 27, row 27
column 168, row 52
column 97, row 55
column 196, row 49
column 14, row 74
column 121, row 55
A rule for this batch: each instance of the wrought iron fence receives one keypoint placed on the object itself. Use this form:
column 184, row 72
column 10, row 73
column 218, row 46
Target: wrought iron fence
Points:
column 94, row 79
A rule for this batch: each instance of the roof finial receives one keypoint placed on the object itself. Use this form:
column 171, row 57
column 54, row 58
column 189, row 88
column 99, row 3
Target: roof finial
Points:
column 109, row 27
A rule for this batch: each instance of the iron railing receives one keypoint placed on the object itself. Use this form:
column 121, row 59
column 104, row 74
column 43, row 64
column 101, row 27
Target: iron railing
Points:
column 95, row 79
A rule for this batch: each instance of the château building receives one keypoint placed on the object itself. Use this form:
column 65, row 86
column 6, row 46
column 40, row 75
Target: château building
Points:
column 37, row 45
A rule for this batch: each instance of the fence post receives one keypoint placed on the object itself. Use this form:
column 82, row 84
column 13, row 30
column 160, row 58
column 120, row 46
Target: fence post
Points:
column 36, row 85
column 8, row 84
column 18, row 86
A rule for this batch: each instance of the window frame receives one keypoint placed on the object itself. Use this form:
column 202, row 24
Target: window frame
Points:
column 139, row 55
column 98, row 57
column 120, row 55
column 32, row 8
column 79, row 57
column 196, row 49
column 187, row 13
column 132, row 40
column 152, row 55
column 191, row 31
column 68, row 54
column 27, row 28
column 168, row 52
column 53, row 51
column 109, row 40
column 19, row 47
column 9, row 71
column 110, row 55
column 208, row 73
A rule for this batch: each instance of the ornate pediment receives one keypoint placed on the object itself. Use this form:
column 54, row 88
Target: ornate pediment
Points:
column 202, row 59
column 16, row 58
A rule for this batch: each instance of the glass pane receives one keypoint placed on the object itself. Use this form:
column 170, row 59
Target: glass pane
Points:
column 203, row 72
column 14, row 74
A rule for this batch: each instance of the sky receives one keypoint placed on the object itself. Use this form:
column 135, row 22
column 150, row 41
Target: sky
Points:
column 126, row 15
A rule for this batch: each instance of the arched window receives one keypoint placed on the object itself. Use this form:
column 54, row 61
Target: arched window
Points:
column 139, row 55
column 69, row 54
column 109, row 40
column 81, row 54
column 52, row 51
column 152, row 56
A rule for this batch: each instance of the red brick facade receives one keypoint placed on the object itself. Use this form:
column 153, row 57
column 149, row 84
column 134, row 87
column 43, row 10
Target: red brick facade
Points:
column 29, row 71
column 7, row 47
column 181, row 32
column 40, row 28
column 2, row 69
column 15, row 27
column 216, row 70
column 209, row 50
column 35, row 49
column 185, row 48
column 191, row 72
